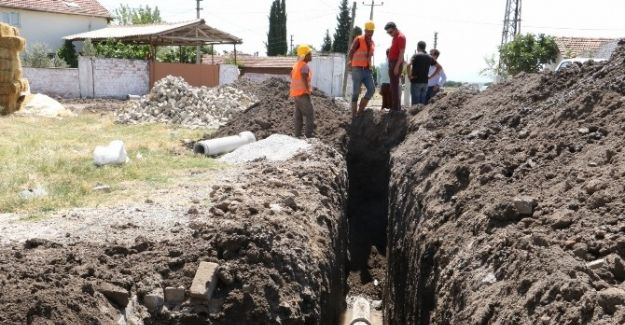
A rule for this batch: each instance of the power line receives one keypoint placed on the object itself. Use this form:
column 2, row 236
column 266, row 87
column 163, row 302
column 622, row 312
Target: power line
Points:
column 372, row 5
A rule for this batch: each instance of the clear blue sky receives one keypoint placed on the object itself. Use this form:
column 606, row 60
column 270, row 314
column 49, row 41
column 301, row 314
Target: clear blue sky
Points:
column 468, row 30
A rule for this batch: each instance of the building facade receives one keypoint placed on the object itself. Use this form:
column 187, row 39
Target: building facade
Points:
column 48, row 21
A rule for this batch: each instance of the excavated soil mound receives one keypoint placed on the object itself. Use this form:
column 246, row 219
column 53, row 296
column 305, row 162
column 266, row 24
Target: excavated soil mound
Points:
column 274, row 114
column 508, row 207
column 277, row 231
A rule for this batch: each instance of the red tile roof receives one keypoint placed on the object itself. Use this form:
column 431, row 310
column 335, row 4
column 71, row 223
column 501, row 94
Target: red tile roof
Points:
column 71, row 7
column 250, row 61
column 572, row 47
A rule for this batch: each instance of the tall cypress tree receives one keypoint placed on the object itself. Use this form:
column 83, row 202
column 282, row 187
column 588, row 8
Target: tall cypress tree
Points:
column 284, row 48
column 327, row 42
column 276, row 37
column 343, row 28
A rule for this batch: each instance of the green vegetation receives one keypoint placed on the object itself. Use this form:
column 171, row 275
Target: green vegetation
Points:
column 326, row 46
column 68, row 54
column 58, row 156
column 276, row 37
column 528, row 53
column 38, row 56
column 343, row 27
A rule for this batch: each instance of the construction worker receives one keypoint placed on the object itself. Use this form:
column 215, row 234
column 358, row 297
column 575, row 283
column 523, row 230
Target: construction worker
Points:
column 301, row 89
column 395, row 62
column 360, row 59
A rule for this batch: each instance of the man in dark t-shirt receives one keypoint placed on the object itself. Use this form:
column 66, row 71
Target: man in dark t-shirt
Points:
column 418, row 71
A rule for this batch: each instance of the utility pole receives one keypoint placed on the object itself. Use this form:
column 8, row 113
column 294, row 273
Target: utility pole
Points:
column 511, row 21
column 349, row 44
column 372, row 5
column 198, row 49
column 291, row 44
column 435, row 40
column 511, row 26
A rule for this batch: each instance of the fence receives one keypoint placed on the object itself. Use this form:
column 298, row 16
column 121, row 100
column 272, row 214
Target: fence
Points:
column 118, row 78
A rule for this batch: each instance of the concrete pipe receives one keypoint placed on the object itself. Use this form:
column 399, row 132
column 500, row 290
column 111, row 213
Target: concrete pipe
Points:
column 214, row 147
column 361, row 312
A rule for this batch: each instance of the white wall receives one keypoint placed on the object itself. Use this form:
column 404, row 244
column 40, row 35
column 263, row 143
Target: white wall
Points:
column 228, row 74
column 53, row 82
column 116, row 78
column 327, row 75
column 50, row 28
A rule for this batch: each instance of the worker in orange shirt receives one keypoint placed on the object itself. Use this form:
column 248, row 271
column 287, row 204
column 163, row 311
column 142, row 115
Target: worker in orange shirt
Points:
column 301, row 89
column 360, row 59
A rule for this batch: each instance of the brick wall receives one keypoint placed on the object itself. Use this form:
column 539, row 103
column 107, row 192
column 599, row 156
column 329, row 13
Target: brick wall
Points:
column 53, row 82
column 113, row 77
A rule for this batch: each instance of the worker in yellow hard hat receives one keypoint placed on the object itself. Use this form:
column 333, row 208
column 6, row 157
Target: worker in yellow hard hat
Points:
column 360, row 59
column 301, row 89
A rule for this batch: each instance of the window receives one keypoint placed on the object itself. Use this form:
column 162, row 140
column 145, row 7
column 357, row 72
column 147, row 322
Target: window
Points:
column 11, row 18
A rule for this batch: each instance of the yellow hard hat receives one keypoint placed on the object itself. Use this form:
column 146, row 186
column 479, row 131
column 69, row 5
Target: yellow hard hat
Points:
column 303, row 50
column 370, row 25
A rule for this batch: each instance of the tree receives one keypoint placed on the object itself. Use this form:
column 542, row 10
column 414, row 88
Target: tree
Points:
column 327, row 42
column 492, row 69
column 527, row 53
column 125, row 15
column 117, row 50
column 88, row 49
column 276, row 37
column 38, row 56
column 182, row 54
column 341, row 34
column 68, row 54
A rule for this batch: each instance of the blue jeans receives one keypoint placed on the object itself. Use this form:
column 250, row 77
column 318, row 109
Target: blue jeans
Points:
column 360, row 76
column 431, row 93
column 419, row 93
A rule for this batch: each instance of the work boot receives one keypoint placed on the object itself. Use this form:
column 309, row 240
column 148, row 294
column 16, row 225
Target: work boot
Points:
column 354, row 109
column 363, row 105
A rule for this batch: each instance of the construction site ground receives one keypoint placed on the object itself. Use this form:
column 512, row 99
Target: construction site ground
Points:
column 499, row 207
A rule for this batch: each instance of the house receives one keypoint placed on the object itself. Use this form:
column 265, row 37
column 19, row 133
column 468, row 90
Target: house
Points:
column 48, row 21
column 583, row 47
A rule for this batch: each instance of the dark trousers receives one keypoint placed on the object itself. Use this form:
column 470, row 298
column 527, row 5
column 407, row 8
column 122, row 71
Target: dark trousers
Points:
column 431, row 93
column 385, row 91
column 304, row 110
column 395, row 93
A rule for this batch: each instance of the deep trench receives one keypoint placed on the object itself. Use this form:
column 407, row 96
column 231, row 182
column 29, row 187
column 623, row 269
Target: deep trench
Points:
column 371, row 139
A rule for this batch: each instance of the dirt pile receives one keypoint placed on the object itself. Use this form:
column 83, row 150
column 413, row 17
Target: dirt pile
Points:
column 174, row 101
column 274, row 114
column 278, row 232
column 508, row 207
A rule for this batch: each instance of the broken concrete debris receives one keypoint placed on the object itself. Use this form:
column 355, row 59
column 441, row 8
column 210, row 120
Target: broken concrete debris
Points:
column 205, row 281
column 112, row 154
column 174, row 295
column 115, row 294
column 154, row 300
column 174, row 101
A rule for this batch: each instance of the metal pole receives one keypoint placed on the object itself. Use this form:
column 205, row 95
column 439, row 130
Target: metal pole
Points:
column 198, row 49
column 372, row 5
column 349, row 44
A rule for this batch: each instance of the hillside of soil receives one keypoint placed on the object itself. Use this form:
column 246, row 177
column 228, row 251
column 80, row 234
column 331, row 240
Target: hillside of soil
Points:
column 508, row 207
column 274, row 114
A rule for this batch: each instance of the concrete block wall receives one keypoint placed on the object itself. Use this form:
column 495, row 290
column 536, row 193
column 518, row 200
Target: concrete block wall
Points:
column 115, row 78
column 53, row 82
column 228, row 73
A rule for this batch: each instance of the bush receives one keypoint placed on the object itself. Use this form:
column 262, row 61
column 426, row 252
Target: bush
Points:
column 68, row 54
column 527, row 53
column 37, row 56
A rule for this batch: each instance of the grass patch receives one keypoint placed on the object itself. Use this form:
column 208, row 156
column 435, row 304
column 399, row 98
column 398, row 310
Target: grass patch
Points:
column 58, row 156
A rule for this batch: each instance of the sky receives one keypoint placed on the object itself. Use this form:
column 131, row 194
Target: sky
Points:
column 468, row 30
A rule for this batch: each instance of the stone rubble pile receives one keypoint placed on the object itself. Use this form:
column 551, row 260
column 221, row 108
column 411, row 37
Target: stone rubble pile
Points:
column 174, row 101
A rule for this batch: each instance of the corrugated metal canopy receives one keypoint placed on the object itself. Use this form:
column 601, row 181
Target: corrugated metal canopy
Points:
column 194, row 32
